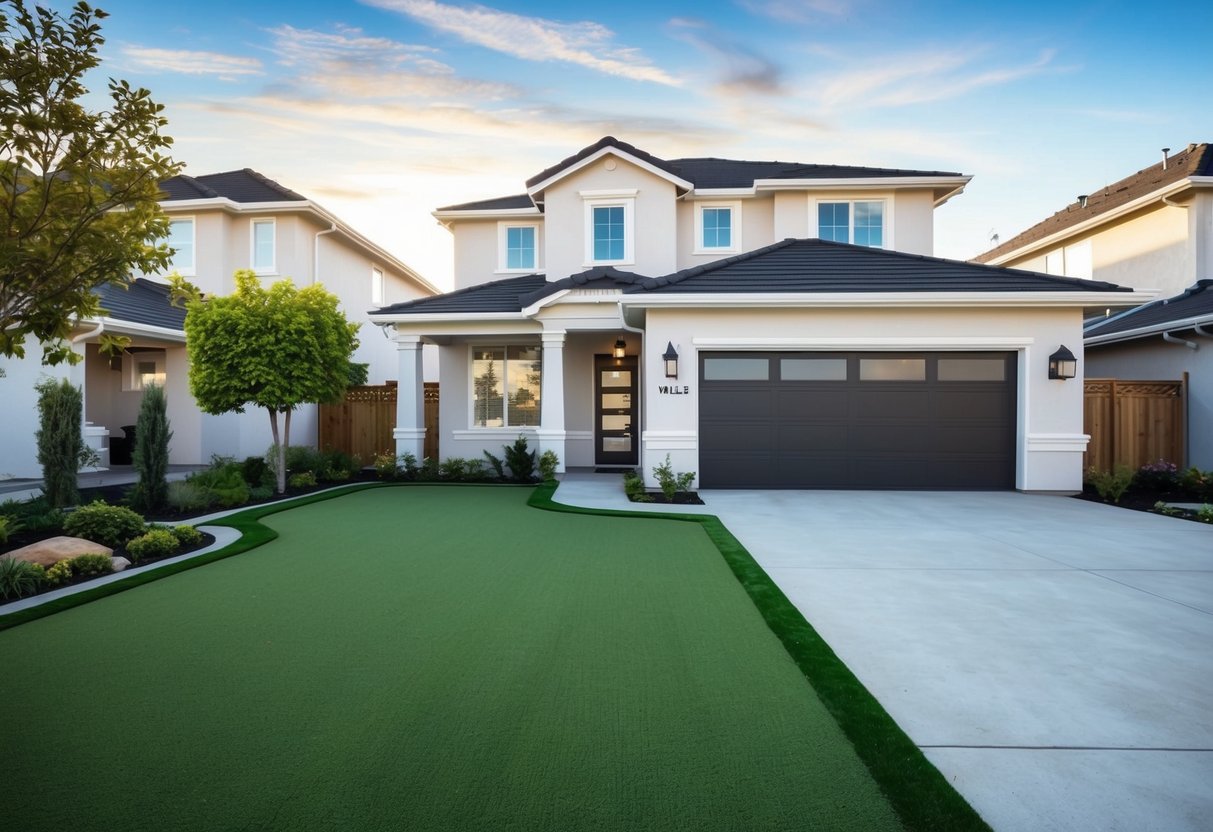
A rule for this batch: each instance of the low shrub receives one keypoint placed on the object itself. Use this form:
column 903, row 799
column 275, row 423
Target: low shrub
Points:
column 186, row 535
column 1157, row 476
column 225, row 482
column 548, row 463
column 338, row 466
column 34, row 515
column 671, row 482
column 1205, row 513
column 1170, row 511
column 633, row 487
column 1198, row 482
column 51, row 520
column 385, row 466
column 261, row 492
column 428, row 471
column 8, row 525
column 152, row 544
column 1110, row 485
column 19, row 578
column 301, row 459
column 304, row 479
column 256, row 471
column 185, row 497
column 108, row 525
column 86, row 566
column 519, row 460
column 59, row 574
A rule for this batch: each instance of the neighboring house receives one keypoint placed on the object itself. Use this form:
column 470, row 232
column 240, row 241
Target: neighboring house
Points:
column 765, row 324
column 1165, row 340
column 1151, row 230
column 219, row 223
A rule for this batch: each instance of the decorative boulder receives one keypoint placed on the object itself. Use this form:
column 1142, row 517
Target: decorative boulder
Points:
column 54, row 549
column 119, row 563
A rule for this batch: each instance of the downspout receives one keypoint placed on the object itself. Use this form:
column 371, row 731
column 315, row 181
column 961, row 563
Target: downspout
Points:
column 1171, row 339
column 623, row 320
column 1202, row 331
column 316, row 252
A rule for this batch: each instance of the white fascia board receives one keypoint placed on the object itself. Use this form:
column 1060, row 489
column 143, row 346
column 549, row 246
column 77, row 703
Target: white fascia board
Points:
column 482, row 214
column 613, row 151
column 446, row 317
column 864, row 183
column 717, row 193
column 1098, row 220
column 1154, row 329
column 121, row 327
column 888, row 299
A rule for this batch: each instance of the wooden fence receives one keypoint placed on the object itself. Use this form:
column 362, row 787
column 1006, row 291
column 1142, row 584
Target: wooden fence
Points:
column 1133, row 422
column 361, row 425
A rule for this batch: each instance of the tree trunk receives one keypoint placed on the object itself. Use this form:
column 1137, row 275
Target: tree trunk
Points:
column 286, row 443
column 279, row 451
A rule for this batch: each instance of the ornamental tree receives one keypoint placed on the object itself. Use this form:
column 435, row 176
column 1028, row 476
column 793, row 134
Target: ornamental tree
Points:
column 275, row 348
column 79, row 190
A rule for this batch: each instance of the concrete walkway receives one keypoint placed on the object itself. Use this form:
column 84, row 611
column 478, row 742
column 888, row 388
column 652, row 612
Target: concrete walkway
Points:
column 1052, row 657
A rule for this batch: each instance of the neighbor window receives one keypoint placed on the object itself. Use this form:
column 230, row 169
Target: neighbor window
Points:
column 609, row 227
column 506, row 386
column 860, row 223
column 717, row 228
column 518, row 247
column 181, row 240
column 377, row 286
column 263, row 245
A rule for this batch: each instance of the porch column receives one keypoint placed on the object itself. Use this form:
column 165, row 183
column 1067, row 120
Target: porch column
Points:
column 551, row 431
column 410, row 398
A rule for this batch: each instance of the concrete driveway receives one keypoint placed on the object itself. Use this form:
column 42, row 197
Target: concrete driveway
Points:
column 1052, row 657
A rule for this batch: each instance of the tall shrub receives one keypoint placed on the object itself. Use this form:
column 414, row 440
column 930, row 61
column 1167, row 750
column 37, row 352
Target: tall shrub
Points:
column 59, row 438
column 150, row 456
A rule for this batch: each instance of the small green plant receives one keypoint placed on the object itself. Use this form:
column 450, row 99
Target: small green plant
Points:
column 304, row 479
column 1198, row 483
column 1161, row 507
column 385, row 466
column 497, row 463
column 452, row 468
column 108, row 525
column 8, row 525
column 428, row 470
column 1156, row 476
column 304, row 459
column 1110, row 485
column 60, row 442
column 150, row 456
column 224, row 483
column 152, row 544
column 186, row 535
column 256, row 471
column 86, row 566
column 521, row 460
column 633, row 487
column 261, row 492
column 1205, row 513
column 548, row 463
column 185, row 497
column 19, row 577
column 671, row 482
column 59, row 574
column 338, row 466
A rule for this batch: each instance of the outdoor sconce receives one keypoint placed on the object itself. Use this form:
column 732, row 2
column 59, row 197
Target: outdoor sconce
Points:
column 620, row 348
column 671, row 360
column 1063, row 364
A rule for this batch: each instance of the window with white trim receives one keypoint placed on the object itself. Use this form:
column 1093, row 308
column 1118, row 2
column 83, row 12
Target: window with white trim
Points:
column 376, row 286
column 717, row 227
column 263, row 253
column 517, row 247
column 610, row 231
column 181, row 241
column 861, row 222
column 506, row 386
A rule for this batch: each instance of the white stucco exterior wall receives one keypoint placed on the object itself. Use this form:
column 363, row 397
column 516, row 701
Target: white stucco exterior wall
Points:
column 19, row 411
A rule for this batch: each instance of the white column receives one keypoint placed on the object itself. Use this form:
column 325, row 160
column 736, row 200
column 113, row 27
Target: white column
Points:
column 551, row 431
column 410, row 397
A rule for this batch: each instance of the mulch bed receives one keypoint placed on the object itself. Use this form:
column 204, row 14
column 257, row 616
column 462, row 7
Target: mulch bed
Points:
column 1140, row 500
column 684, row 498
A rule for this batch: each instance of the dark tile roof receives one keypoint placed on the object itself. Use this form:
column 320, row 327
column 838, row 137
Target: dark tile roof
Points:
column 605, row 141
column 599, row 277
column 237, row 185
column 825, row 266
column 1194, row 302
column 1195, row 160
column 141, row 302
column 495, row 204
column 497, row 296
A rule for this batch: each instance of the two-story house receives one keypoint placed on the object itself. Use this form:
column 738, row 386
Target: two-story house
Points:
column 219, row 223
column 765, row 324
column 1153, row 229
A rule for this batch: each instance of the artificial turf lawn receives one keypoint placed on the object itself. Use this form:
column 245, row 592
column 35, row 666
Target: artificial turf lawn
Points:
column 422, row 659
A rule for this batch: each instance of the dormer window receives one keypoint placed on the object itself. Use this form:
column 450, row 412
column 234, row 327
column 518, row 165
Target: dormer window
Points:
column 610, row 227
column 717, row 227
column 861, row 223
column 517, row 247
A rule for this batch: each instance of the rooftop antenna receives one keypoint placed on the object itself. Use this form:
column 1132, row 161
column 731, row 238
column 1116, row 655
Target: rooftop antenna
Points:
column 1165, row 151
column 993, row 236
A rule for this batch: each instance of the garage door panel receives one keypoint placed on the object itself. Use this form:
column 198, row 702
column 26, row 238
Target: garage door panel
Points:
column 890, row 405
column 725, row 404
column 821, row 404
column 812, row 470
column 949, row 404
column 737, row 470
column 815, row 436
column 974, row 439
column 885, row 437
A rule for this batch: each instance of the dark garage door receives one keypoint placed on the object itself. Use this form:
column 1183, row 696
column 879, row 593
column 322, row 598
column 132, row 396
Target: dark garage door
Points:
column 857, row 420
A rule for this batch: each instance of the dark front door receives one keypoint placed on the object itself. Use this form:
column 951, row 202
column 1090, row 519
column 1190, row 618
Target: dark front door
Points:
column 615, row 425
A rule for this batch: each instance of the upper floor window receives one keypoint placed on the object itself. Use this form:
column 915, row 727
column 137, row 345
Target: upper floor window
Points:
column 609, row 229
column 181, row 240
column 377, row 286
column 861, row 223
column 717, row 228
column 263, row 246
column 517, row 247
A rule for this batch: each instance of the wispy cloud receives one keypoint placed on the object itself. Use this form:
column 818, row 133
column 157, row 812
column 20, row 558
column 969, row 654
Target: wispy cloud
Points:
column 188, row 62
column 585, row 43
column 797, row 11
column 741, row 70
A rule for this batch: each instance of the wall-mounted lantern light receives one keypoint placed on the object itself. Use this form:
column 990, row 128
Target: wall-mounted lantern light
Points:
column 620, row 348
column 1063, row 364
column 671, row 360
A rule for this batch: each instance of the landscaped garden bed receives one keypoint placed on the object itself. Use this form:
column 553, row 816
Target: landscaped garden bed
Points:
column 1160, row 487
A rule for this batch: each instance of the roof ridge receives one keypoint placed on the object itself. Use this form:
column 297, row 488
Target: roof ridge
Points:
column 200, row 187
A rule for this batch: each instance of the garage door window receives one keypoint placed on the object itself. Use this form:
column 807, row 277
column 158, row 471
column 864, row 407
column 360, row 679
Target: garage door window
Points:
column 972, row 369
column 736, row 369
column 813, row 369
column 892, row 369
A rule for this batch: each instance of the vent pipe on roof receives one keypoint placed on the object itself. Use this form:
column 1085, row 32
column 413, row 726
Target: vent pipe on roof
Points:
column 1165, row 151
column 1082, row 200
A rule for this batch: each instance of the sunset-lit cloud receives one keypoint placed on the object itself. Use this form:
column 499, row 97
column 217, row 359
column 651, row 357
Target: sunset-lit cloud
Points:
column 185, row 61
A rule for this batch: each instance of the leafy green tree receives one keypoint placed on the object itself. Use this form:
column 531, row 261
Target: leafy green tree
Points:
column 275, row 348
column 152, row 436
column 79, row 190
column 59, row 438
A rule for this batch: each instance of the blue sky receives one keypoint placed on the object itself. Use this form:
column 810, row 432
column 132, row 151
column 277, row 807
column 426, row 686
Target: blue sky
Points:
column 382, row 110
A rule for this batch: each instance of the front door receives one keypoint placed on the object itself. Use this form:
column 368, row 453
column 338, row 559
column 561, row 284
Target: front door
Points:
column 615, row 428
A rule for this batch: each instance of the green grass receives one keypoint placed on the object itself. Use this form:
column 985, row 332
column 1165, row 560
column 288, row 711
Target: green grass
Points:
column 428, row 658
